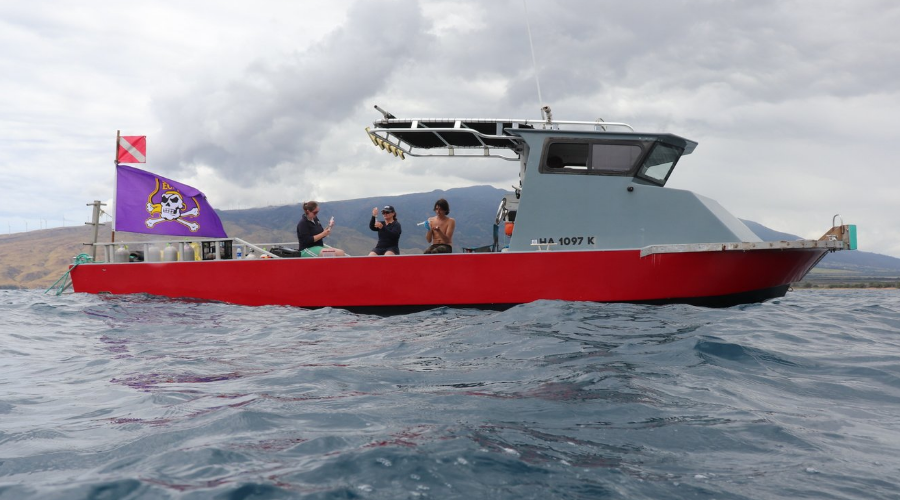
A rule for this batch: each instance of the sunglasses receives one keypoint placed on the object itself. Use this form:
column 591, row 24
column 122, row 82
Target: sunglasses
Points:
column 314, row 212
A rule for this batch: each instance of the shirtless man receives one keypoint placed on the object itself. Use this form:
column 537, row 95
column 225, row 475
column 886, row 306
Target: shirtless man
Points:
column 440, row 229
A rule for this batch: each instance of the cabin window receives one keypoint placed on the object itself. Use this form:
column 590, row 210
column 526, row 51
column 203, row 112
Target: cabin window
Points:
column 591, row 158
column 659, row 163
column 568, row 156
column 614, row 157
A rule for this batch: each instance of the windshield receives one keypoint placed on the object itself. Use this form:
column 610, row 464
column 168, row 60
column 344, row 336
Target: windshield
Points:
column 659, row 163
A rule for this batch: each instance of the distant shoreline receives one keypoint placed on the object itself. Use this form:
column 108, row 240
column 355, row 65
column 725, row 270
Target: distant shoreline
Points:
column 847, row 285
column 887, row 288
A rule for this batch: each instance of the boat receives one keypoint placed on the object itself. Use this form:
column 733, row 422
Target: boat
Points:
column 591, row 219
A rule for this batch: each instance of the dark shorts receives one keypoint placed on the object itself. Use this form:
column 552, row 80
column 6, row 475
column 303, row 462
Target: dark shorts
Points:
column 439, row 248
column 382, row 251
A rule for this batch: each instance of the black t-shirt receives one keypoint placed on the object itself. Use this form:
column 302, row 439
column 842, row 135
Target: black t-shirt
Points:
column 306, row 229
column 388, row 235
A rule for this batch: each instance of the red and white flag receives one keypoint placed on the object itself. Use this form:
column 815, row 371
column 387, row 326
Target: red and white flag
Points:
column 132, row 149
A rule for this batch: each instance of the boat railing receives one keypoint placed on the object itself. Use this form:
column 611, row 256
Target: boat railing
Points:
column 207, row 249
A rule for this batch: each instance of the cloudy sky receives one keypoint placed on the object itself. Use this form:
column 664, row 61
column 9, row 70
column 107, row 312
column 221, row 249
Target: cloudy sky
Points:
column 794, row 102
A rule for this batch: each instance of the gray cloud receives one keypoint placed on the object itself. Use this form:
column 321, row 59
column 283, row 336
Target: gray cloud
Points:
column 277, row 111
column 768, row 51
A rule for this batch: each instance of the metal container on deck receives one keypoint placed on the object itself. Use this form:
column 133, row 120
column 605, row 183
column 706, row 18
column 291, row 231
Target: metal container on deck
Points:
column 154, row 253
column 121, row 254
column 170, row 254
column 187, row 254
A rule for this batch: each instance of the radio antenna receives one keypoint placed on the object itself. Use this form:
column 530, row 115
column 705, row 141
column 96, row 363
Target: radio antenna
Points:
column 544, row 109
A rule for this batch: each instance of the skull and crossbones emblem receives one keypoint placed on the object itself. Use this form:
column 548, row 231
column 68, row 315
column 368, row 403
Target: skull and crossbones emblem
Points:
column 171, row 208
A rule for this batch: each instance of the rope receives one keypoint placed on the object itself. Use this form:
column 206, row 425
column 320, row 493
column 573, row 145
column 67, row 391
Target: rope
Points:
column 80, row 259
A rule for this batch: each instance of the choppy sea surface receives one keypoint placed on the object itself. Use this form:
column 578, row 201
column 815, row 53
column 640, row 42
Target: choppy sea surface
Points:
column 142, row 397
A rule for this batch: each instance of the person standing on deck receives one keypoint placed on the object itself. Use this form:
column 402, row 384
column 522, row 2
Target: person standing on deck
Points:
column 440, row 229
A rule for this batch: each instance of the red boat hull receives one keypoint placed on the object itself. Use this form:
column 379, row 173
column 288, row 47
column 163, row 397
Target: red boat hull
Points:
column 720, row 278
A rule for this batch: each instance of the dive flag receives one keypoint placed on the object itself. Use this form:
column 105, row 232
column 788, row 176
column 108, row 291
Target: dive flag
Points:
column 148, row 203
column 132, row 149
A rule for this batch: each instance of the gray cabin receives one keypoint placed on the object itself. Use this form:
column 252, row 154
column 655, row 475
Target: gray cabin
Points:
column 582, row 185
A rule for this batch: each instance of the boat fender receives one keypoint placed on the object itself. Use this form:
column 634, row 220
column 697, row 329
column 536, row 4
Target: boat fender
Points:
column 508, row 228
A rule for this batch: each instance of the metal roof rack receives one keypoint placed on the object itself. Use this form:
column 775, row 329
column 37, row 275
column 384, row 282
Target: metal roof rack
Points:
column 470, row 137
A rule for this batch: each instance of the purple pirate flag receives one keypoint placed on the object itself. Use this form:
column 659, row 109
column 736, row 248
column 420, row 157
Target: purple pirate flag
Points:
column 148, row 203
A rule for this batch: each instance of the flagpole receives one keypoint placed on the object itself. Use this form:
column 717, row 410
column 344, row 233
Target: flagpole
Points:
column 115, row 185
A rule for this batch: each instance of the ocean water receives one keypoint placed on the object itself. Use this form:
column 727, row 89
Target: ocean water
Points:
column 141, row 397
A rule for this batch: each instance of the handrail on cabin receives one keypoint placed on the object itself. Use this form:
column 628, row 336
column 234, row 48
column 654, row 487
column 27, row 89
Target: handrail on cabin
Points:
column 517, row 121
